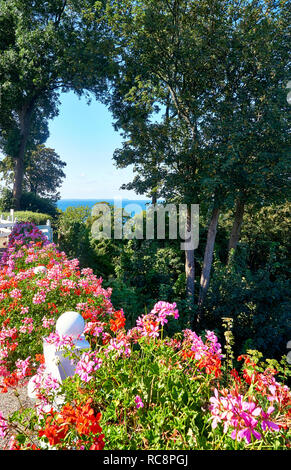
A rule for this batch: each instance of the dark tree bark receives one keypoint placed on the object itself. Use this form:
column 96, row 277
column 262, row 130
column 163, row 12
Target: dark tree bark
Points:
column 25, row 122
column 207, row 262
column 154, row 198
column 189, row 267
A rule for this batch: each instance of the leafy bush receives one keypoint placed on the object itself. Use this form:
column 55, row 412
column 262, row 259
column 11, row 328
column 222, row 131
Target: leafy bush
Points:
column 28, row 202
column 27, row 216
column 74, row 237
column 258, row 302
column 34, row 203
column 253, row 289
column 6, row 201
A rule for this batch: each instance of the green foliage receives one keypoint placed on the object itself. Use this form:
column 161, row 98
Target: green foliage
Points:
column 43, row 172
column 153, row 269
column 35, row 203
column 28, row 202
column 6, row 200
column 266, row 234
column 27, row 216
column 258, row 303
column 75, row 238
column 201, row 101
column 74, row 233
column 48, row 47
column 126, row 297
column 140, row 272
column 170, row 418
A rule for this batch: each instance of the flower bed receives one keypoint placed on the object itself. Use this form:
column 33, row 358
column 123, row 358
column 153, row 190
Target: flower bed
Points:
column 135, row 389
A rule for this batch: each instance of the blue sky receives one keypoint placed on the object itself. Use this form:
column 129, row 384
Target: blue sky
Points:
column 83, row 137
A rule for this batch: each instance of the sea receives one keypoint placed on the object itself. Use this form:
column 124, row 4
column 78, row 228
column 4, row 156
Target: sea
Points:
column 140, row 204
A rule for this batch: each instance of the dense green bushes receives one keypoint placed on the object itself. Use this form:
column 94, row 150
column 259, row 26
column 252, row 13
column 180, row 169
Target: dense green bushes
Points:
column 258, row 304
column 253, row 288
column 28, row 202
column 28, row 216
column 74, row 237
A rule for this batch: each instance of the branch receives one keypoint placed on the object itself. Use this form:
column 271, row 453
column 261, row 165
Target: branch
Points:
column 58, row 19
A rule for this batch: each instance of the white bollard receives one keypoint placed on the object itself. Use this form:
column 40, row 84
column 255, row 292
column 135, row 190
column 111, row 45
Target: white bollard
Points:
column 50, row 230
column 40, row 270
column 56, row 364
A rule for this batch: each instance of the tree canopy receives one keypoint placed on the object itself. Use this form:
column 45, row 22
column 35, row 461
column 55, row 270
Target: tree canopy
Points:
column 47, row 48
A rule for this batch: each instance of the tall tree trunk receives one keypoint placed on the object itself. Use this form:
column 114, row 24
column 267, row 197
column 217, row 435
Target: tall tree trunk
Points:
column 25, row 122
column 207, row 262
column 18, row 178
column 189, row 267
column 237, row 223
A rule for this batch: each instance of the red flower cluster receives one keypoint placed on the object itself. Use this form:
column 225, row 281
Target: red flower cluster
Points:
column 82, row 419
column 118, row 321
column 209, row 362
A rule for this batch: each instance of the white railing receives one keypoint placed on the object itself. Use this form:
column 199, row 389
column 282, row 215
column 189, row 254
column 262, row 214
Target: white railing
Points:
column 6, row 226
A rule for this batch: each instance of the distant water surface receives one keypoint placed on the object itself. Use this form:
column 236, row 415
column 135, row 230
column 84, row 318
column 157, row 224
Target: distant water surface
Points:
column 62, row 204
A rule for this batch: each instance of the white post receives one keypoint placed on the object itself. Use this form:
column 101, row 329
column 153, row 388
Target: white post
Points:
column 12, row 215
column 50, row 231
column 60, row 367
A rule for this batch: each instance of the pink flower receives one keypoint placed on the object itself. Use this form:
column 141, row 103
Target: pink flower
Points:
column 27, row 326
column 266, row 423
column 47, row 323
column 16, row 294
column 138, row 402
column 165, row 309
column 94, row 329
column 4, row 372
column 22, row 368
column 39, row 297
column 3, row 426
column 241, row 416
column 88, row 363
column 163, row 319
column 119, row 345
column 60, row 341
column 154, row 331
column 24, row 310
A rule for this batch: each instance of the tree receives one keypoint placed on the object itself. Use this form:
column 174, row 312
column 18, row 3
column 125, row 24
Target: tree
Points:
column 47, row 47
column 259, row 134
column 197, row 58
column 43, row 172
column 173, row 55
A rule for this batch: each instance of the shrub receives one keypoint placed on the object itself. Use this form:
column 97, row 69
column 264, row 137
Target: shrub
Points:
column 27, row 216
column 28, row 202
column 74, row 235
column 35, row 203
column 74, row 229
column 6, row 201
column 258, row 302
